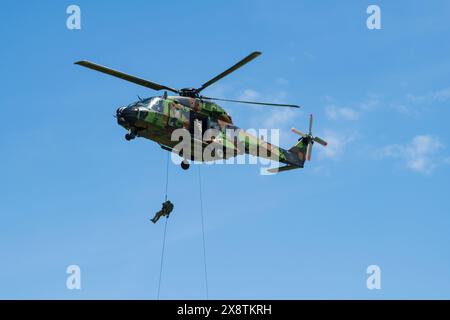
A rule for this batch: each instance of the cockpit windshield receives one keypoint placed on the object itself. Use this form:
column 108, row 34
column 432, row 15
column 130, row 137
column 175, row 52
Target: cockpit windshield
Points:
column 156, row 104
column 137, row 104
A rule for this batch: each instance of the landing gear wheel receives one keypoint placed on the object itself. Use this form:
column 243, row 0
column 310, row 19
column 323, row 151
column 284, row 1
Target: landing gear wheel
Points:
column 129, row 136
column 184, row 165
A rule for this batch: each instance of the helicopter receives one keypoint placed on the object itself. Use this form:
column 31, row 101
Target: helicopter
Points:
column 157, row 118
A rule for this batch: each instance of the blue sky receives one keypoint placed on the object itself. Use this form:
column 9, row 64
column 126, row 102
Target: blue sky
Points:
column 74, row 191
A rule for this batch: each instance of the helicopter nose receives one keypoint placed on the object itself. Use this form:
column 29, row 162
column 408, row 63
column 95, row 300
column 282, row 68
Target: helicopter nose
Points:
column 120, row 118
column 126, row 115
column 119, row 111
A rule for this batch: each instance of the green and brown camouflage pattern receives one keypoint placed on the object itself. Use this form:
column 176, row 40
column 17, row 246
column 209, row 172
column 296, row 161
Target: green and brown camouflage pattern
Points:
column 177, row 112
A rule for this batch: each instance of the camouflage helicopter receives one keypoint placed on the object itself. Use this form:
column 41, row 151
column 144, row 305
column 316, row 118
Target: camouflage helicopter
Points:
column 156, row 118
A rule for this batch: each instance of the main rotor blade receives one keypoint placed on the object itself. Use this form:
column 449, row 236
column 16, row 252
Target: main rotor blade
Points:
column 247, row 59
column 320, row 141
column 254, row 102
column 124, row 76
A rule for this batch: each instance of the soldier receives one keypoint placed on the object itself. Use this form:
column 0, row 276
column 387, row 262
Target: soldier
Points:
column 166, row 209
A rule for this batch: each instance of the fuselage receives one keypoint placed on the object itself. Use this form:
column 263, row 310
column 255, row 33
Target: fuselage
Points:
column 156, row 118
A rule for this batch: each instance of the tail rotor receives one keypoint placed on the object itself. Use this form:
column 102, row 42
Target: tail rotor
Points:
column 309, row 138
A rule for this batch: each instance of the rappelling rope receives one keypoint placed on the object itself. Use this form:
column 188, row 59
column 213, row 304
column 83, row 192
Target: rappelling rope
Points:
column 165, row 229
column 203, row 231
column 162, row 259
column 167, row 175
column 165, row 232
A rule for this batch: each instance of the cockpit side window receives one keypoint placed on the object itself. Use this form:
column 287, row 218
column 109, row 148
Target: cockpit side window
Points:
column 156, row 104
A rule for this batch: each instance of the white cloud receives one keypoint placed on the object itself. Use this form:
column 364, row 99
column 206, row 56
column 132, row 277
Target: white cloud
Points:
column 406, row 110
column 337, row 143
column 415, row 98
column 249, row 94
column 369, row 104
column 270, row 117
column 441, row 95
column 218, row 90
column 419, row 155
column 414, row 105
column 280, row 118
column 353, row 112
column 335, row 113
column 435, row 96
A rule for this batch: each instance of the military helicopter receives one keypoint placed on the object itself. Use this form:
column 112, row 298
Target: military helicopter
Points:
column 156, row 118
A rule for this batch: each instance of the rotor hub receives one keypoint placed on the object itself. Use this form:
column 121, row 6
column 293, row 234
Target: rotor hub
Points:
column 189, row 92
